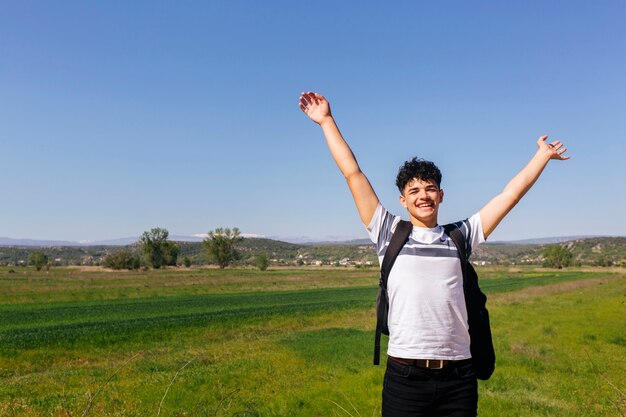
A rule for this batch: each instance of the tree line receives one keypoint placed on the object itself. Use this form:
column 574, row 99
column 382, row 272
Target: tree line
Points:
column 155, row 250
column 158, row 251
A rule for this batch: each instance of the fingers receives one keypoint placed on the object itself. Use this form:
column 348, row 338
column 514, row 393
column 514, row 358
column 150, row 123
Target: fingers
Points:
column 560, row 153
column 304, row 103
column 309, row 99
column 306, row 100
column 558, row 150
column 311, row 96
column 555, row 147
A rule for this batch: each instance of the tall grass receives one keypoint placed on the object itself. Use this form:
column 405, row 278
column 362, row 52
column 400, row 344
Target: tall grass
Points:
column 281, row 350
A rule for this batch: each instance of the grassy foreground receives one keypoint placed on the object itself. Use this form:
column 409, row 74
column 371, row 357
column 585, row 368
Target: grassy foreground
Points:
column 286, row 343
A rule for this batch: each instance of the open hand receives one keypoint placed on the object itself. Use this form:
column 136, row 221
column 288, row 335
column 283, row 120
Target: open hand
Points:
column 554, row 149
column 315, row 106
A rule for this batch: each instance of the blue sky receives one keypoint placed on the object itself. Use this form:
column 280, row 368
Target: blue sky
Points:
column 118, row 116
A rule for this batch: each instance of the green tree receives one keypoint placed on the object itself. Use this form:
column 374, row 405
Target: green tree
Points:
column 157, row 249
column 122, row 260
column 38, row 259
column 261, row 261
column 220, row 246
column 186, row 262
column 603, row 260
column 170, row 253
column 556, row 256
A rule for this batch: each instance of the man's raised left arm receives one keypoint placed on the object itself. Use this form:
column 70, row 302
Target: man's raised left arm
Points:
column 493, row 212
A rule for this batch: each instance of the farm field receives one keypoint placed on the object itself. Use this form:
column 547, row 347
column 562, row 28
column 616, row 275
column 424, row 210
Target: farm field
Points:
column 207, row 342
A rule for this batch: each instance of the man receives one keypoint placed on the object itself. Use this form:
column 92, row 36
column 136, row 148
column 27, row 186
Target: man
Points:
column 429, row 370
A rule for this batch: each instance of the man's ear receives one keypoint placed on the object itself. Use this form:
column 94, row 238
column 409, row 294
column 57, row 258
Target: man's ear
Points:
column 441, row 196
column 403, row 201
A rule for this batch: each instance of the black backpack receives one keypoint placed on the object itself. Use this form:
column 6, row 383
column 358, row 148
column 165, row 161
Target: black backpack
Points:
column 481, row 346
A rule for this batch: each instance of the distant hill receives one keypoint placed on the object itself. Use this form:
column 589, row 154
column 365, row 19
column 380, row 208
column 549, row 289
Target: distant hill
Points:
column 586, row 251
column 547, row 240
column 7, row 241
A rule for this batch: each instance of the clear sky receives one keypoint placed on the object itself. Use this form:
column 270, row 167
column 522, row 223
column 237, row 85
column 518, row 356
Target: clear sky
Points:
column 117, row 116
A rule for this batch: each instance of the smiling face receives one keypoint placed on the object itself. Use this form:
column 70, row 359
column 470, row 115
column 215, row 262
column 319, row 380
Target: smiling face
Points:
column 422, row 198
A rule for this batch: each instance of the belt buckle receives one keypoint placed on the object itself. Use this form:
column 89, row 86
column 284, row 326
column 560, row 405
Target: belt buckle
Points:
column 433, row 361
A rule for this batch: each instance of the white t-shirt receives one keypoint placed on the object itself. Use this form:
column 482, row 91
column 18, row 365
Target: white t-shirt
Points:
column 427, row 315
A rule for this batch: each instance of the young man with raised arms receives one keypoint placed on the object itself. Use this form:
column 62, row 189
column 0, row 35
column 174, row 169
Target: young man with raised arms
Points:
column 429, row 370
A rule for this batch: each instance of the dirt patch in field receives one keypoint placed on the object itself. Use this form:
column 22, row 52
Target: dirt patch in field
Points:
column 88, row 268
column 535, row 292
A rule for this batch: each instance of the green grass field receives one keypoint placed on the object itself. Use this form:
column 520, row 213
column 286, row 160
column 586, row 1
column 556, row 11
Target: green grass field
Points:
column 207, row 342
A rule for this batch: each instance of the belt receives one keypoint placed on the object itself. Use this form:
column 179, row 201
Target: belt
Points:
column 429, row 363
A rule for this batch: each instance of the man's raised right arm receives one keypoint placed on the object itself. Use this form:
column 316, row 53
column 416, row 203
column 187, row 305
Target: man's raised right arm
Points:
column 316, row 107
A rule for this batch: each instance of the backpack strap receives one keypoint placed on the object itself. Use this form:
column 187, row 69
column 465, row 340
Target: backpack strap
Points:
column 398, row 239
column 459, row 241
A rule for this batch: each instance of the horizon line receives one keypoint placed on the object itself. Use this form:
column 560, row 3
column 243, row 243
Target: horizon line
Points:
column 9, row 241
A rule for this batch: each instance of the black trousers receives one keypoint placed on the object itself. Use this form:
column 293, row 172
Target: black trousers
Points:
column 415, row 392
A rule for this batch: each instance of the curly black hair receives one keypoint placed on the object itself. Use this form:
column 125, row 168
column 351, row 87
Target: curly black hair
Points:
column 420, row 169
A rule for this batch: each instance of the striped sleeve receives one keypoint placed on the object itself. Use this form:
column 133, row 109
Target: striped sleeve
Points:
column 472, row 230
column 381, row 228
